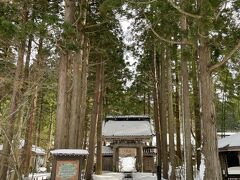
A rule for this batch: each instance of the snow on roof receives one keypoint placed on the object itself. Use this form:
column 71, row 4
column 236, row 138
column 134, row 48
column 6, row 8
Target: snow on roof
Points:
column 128, row 117
column 107, row 150
column 225, row 133
column 36, row 149
column 127, row 128
column 67, row 152
column 230, row 141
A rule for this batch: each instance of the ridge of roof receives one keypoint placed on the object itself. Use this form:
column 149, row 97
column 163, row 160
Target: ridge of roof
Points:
column 128, row 118
column 127, row 128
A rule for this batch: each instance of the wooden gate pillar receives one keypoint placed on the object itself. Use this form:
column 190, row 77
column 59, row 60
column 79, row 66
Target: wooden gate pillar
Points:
column 115, row 159
column 140, row 159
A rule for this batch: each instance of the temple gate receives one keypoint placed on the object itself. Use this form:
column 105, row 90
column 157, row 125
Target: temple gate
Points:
column 128, row 136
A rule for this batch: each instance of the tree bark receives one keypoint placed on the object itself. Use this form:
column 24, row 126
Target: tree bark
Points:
column 67, row 130
column 99, row 129
column 27, row 149
column 83, row 98
column 157, row 113
column 186, row 107
column 171, row 121
column 211, row 169
column 209, row 135
column 196, row 102
column 15, row 100
column 177, row 114
column 27, row 62
column 94, row 118
column 39, row 120
column 60, row 141
column 163, row 110
column 77, row 80
column 75, row 100
column 49, row 140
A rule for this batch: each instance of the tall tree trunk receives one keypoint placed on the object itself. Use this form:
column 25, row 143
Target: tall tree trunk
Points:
column 39, row 121
column 94, row 118
column 99, row 129
column 67, row 130
column 144, row 103
column 65, row 56
column 164, row 125
column 83, row 98
column 75, row 101
column 209, row 134
column 177, row 114
column 15, row 100
column 148, row 103
column 196, row 102
column 27, row 149
column 157, row 113
column 211, row 167
column 27, row 62
column 21, row 114
column 50, row 138
column 171, row 121
column 186, row 106
column 77, row 80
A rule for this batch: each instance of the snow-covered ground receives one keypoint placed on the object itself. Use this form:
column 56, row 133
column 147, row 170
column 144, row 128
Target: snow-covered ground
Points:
column 127, row 164
column 119, row 176
column 109, row 176
column 144, row 176
column 38, row 176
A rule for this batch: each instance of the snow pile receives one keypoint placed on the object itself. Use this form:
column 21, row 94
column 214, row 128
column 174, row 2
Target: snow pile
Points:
column 36, row 149
column 120, row 176
column 108, row 176
column 38, row 176
column 170, row 169
column 127, row 164
column 144, row 176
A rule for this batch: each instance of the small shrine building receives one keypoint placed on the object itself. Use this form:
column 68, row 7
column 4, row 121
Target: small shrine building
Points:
column 128, row 136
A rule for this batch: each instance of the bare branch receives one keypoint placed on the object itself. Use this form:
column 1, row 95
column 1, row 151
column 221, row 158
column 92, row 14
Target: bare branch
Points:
column 225, row 59
column 170, row 41
column 95, row 25
column 12, row 152
column 184, row 12
column 144, row 2
column 224, row 4
column 166, row 40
